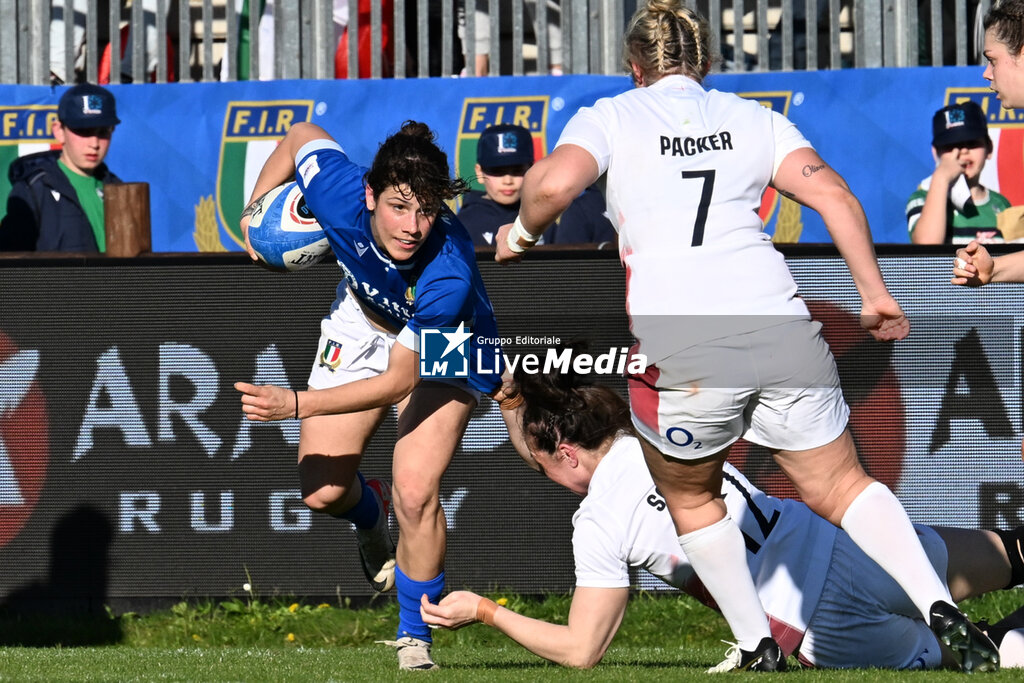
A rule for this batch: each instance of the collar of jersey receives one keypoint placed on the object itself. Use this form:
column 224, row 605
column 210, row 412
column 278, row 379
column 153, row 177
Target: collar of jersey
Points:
column 675, row 81
column 389, row 261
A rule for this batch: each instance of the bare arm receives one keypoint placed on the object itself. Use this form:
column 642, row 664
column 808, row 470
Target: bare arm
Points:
column 514, row 423
column 280, row 167
column 548, row 189
column 594, row 617
column 931, row 224
column 264, row 403
column 806, row 178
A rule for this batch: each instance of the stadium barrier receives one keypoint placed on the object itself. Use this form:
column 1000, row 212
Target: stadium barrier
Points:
column 129, row 478
column 165, row 40
column 200, row 146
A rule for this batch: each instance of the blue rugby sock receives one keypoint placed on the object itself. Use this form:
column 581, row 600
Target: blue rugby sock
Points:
column 410, row 623
column 365, row 513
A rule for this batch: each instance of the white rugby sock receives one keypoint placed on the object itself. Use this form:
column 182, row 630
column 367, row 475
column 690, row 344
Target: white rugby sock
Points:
column 877, row 522
column 719, row 557
column 1011, row 650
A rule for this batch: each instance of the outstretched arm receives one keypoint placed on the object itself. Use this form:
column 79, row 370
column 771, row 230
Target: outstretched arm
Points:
column 594, row 616
column 806, row 178
column 266, row 402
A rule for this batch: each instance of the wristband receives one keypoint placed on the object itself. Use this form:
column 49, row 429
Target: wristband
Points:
column 519, row 232
column 296, row 403
column 485, row 610
column 512, row 402
column 513, row 243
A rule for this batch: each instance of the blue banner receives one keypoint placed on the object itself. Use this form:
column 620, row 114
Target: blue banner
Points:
column 200, row 145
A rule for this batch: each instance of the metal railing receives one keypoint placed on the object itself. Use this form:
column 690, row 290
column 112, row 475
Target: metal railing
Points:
column 190, row 38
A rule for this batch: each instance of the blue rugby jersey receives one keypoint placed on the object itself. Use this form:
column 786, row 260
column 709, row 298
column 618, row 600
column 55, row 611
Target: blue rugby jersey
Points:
column 440, row 286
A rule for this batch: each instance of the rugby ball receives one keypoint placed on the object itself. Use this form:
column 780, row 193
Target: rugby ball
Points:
column 284, row 232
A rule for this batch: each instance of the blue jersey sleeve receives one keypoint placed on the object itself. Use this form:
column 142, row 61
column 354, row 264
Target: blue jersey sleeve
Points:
column 331, row 183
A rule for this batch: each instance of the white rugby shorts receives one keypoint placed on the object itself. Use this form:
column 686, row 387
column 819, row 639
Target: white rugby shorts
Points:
column 352, row 348
column 776, row 387
column 864, row 619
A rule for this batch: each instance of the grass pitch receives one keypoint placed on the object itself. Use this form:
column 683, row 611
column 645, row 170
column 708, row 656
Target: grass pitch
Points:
column 663, row 638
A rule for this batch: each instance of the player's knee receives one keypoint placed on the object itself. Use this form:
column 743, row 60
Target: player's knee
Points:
column 327, row 499
column 413, row 500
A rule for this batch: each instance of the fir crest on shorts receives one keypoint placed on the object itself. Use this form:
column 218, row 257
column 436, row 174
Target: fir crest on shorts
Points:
column 330, row 357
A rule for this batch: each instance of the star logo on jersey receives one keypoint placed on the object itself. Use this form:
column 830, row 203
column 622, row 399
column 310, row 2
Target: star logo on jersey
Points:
column 444, row 352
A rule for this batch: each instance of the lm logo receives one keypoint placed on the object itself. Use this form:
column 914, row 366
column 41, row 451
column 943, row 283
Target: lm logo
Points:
column 444, row 352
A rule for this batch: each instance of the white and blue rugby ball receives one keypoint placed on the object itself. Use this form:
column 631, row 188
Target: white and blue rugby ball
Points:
column 284, row 232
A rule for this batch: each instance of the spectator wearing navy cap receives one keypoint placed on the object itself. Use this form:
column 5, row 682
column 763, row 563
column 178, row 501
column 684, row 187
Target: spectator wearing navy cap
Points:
column 56, row 199
column 504, row 153
column 951, row 206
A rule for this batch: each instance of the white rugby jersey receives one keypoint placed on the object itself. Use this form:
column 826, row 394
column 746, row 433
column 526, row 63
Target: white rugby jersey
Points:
column 686, row 170
column 622, row 523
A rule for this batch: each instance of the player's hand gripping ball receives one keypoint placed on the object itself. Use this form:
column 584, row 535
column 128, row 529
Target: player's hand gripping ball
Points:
column 284, row 232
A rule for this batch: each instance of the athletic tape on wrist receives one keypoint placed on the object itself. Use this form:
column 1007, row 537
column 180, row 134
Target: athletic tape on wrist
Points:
column 513, row 242
column 512, row 402
column 517, row 227
column 485, row 610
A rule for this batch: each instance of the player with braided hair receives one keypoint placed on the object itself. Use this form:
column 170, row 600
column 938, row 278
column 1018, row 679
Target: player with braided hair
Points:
column 408, row 264
column 714, row 308
column 829, row 605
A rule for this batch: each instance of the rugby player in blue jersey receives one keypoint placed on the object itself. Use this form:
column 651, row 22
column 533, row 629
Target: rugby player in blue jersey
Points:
column 408, row 265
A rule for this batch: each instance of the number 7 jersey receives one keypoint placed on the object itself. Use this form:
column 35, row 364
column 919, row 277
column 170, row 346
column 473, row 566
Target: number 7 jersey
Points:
column 686, row 168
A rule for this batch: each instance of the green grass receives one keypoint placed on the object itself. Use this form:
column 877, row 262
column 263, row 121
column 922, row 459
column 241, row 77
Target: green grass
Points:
column 662, row 639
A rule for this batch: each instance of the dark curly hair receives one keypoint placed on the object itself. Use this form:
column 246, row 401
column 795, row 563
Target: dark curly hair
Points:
column 411, row 157
column 567, row 407
column 1008, row 19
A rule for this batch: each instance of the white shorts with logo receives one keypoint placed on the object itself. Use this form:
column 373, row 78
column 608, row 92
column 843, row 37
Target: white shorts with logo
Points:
column 352, row 348
column 864, row 619
column 788, row 398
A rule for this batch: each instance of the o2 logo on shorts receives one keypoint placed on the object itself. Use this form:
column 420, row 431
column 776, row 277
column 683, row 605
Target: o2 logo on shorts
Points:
column 444, row 352
column 681, row 437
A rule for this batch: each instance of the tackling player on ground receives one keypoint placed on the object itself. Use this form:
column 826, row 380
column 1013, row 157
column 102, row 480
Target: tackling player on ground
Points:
column 828, row 604
column 714, row 308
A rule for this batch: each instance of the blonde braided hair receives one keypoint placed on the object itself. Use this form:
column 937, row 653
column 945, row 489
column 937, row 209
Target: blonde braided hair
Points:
column 666, row 37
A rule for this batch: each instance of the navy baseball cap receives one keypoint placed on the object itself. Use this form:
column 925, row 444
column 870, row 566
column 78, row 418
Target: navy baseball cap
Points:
column 87, row 106
column 959, row 123
column 504, row 145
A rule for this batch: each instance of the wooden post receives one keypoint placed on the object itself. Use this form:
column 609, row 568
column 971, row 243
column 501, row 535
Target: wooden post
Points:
column 126, row 218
